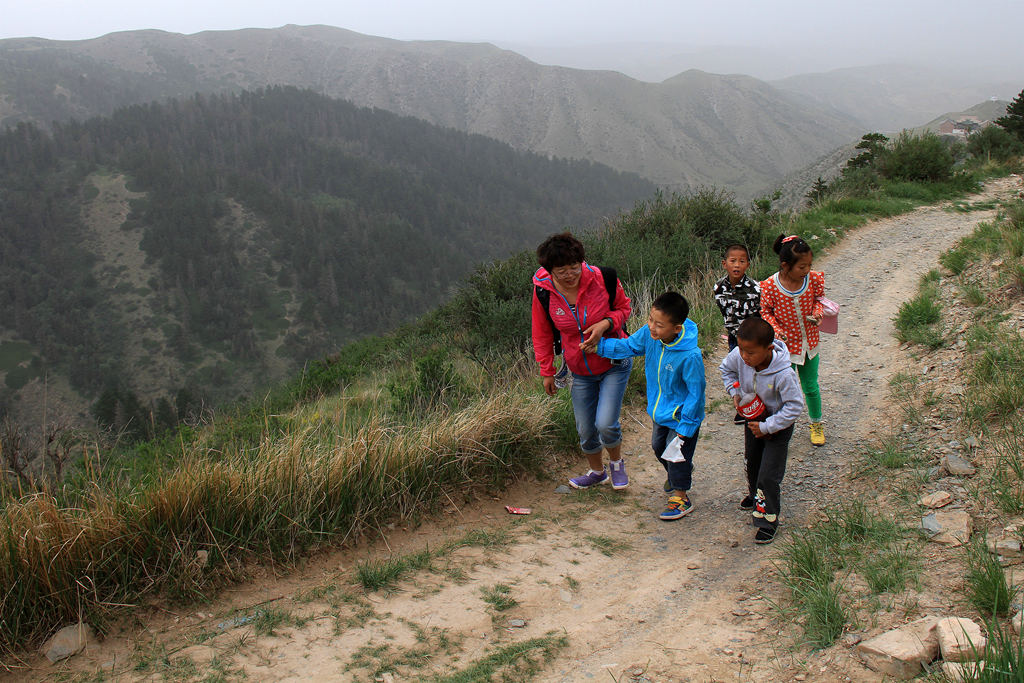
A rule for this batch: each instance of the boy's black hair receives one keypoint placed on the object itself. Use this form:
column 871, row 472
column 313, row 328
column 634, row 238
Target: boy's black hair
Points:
column 560, row 250
column 756, row 330
column 674, row 305
column 735, row 247
column 791, row 248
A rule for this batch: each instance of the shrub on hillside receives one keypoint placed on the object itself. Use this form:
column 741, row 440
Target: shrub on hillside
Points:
column 922, row 157
column 855, row 182
column 434, row 383
column 994, row 143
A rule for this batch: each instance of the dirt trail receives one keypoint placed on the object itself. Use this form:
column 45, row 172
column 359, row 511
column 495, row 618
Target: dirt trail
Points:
column 686, row 599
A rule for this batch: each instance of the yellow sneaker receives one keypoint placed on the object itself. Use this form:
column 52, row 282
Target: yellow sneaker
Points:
column 817, row 434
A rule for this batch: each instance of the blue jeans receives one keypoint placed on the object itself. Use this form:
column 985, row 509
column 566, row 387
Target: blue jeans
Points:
column 596, row 403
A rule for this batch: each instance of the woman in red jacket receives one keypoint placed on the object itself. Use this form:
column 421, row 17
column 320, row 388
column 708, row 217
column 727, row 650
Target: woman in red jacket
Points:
column 581, row 308
column 791, row 303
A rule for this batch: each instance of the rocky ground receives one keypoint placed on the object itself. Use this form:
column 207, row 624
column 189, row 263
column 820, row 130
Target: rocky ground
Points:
column 610, row 590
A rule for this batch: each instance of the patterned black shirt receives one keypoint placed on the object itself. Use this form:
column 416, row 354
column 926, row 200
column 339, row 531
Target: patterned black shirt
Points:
column 737, row 302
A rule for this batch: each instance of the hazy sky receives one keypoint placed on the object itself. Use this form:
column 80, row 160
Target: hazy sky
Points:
column 854, row 33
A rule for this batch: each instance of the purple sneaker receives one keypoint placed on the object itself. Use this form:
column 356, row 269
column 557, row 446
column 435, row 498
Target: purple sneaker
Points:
column 620, row 479
column 591, row 478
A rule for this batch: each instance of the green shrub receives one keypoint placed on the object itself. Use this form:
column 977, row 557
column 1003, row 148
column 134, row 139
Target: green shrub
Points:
column 434, row 383
column 922, row 157
column 856, row 182
column 994, row 143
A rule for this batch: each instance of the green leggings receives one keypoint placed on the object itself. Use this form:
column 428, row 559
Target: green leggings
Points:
column 808, row 373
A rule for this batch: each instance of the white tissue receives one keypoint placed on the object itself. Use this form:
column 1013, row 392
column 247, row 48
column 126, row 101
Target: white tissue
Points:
column 674, row 451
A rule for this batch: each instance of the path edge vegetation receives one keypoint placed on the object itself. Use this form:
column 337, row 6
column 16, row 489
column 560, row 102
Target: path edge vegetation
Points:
column 389, row 426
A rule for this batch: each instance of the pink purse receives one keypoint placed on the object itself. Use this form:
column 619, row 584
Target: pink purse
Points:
column 830, row 321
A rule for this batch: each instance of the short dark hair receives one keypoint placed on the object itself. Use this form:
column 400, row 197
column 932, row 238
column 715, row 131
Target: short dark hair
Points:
column 756, row 330
column 736, row 247
column 560, row 250
column 674, row 305
column 790, row 248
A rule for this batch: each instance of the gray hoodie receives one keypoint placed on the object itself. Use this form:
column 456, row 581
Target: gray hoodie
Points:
column 777, row 385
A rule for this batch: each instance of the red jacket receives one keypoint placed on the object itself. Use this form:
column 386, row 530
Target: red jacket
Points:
column 591, row 307
column 786, row 313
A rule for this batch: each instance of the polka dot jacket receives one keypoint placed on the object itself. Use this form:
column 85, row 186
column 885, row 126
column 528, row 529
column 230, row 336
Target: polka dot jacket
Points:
column 787, row 311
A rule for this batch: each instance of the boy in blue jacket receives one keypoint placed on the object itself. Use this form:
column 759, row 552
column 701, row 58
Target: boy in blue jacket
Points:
column 675, row 390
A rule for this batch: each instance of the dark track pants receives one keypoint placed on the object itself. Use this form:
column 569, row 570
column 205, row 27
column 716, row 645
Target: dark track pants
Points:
column 766, row 466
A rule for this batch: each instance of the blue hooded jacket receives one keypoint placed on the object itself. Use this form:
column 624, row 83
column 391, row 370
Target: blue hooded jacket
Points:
column 675, row 375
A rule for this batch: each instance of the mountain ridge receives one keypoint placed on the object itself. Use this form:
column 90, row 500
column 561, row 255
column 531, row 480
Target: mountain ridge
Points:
column 668, row 132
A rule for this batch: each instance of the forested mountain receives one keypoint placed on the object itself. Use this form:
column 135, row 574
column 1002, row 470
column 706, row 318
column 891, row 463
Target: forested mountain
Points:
column 694, row 129
column 217, row 242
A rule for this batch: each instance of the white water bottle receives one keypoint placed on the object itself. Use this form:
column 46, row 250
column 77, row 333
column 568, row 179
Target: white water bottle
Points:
column 751, row 406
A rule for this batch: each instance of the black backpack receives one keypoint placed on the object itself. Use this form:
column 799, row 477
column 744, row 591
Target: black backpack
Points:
column 611, row 279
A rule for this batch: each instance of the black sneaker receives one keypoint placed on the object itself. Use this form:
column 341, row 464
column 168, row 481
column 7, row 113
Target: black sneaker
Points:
column 764, row 536
column 747, row 503
column 739, row 419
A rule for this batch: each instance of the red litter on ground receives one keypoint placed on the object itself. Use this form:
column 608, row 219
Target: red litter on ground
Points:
column 518, row 511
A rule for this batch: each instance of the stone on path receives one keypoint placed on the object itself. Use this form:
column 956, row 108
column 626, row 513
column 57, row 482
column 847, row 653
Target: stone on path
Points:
column 563, row 489
column 1004, row 543
column 936, row 500
column 960, row 639
column 949, row 528
column 902, row 652
column 957, row 466
column 68, row 641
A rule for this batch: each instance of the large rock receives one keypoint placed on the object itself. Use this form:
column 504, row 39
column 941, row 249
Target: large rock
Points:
column 902, row 653
column 68, row 641
column 960, row 640
column 957, row 466
column 949, row 528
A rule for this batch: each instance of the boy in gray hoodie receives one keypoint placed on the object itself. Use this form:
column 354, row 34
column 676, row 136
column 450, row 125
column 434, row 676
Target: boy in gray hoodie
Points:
column 760, row 365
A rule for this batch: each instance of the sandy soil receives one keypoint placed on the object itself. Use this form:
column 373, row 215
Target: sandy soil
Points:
column 638, row 599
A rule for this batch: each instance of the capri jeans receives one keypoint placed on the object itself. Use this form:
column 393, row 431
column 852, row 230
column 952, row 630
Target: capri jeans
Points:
column 597, row 403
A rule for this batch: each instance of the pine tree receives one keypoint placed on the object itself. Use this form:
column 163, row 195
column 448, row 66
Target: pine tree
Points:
column 1014, row 119
column 872, row 144
column 818, row 190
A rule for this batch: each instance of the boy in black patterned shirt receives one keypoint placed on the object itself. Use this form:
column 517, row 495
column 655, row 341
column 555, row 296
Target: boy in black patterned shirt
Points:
column 737, row 296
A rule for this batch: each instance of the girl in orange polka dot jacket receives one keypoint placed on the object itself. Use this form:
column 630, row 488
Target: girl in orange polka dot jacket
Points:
column 791, row 303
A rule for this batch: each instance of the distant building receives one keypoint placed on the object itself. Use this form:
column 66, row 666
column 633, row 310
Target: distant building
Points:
column 962, row 127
